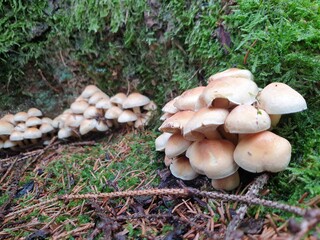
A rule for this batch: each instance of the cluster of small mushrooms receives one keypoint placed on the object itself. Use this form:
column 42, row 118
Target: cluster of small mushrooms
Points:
column 93, row 110
column 215, row 129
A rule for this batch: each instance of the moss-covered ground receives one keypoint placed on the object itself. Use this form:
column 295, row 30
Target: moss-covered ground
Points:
column 49, row 50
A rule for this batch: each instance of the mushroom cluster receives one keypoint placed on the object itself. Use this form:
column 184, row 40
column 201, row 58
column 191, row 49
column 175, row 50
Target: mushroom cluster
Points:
column 94, row 110
column 215, row 129
column 24, row 129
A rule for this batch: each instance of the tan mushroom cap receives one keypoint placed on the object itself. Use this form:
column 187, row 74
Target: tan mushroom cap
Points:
column 96, row 97
column 21, row 127
column 236, row 90
column 87, row 125
column 176, row 145
column 46, row 128
column 213, row 158
column 118, row 98
column 135, row 100
column 127, row 116
column 279, row 98
column 232, row 72
column 74, row 120
column 165, row 116
column 8, row 118
column 169, row 107
column 6, row 128
column 104, row 104
column 176, row 123
column 34, row 112
column 161, row 141
column 113, row 113
column 181, row 168
column 92, row 112
column 228, row 183
column 188, row 99
column 264, row 151
column 47, row 120
column 247, row 119
column 89, row 91
column 21, row 117
column 9, row 144
column 204, row 122
column 16, row 136
column 33, row 121
column 65, row 132
column 79, row 107
column 32, row 133
column 102, row 126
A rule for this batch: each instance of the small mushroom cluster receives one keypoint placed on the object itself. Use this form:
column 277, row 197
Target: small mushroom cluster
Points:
column 24, row 129
column 215, row 129
column 94, row 110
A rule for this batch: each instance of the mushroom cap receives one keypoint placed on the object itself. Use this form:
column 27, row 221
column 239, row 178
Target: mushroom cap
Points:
column 176, row 145
column 214, row 158
column 204, row 120
column 21, row 117
column 169, row 107
column 96, row 97
column 135, row 100
column 102, row 126
column 236, row 90
column 8, row 118
column 46, row 128
column 65, row 132
column 162, row 140
column 89, row 91
column 9, row 144
column 32, row 133
column 232, row 72
column 104, row 104
column 279, row 98
column 181, row 168
column 188, row 99
column 151, row 106
column 127, row 116
column 165, row 116
column 74, row 120
column 34, row 112
column 21, row 127
column 33, row 121
column 16, row 136
column 247, row 119
column 47, row 120
column 176, row 122
column 92, row 112
column 87, row 125
column 59, row 121
column 6, row 128
column 113, row 113
column 263, row 151
column 118, row 98
column 228, row 183
column 79, row 107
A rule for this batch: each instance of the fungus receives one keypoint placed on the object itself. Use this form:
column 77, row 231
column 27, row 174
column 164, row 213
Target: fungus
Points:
column 89, row 91
column 87, row 125
column 228, row 183
column 188, row 99
column 176, row 123
column 181, row 168
column 162, row 140
column 135, row 101
column 33, row 121
column 176, row 145
column 118, row 99
column 170, row 108
column 34, row 112
column 33, row 134
column 128, row 117
column 20, row 117
column 232, row 72
column 96, row 97
column 79, row 107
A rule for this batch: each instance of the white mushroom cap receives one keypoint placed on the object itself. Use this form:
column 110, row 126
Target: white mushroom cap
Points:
column 21, row 127
column 188, row 99
column 279, row 98
column 6, row 128
column 65, row 132
column 32, row 133
column 9, row 144
column 113, row 113
column 177, row 122
column 21, row 117
column 204, row 121
column 102, row 126
column 104, row 104
column 74, row 120
column 232, row 72
column 263, row 151
column 34, row 112
column 162, row 140
column 214, row 158
column 16, row 136
column 89, row 91
column 96, row 97
column 228, row 183
column 118, row 98
column 46, row 128
column 127, row 116
column 92, row 112
column 79, row 107
column 169, row 107
column 236, row 90
column 87, row 125
column 176, row 145
column 181, row 168
column 135, row 100
column 59, row 121
column 47, row 120
column 33, row 121
column 247, row 119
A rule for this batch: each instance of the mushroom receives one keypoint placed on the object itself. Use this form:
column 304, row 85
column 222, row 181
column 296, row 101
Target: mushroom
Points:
column 33, row 121
column 17, row 137
column 87, row 125
column 151, row 106
column 188, row 99
column 8, row 118
column 135, row 101
column 279, row 98
column 89, row 91
column 20, row 117
column 6, row 129
column 162, row 140
column 92, row 112
column 101, row 126
column 21, row 127
column 213, row 158
column 47, row 130
column 112, row 114
column 181, row 168
column 176, row 123
column 65, row 132
column 228, row 183
column 118, row 99
column 34, row 112
column 263, row 151
column 127, row 116
column 247, row 119
column 96, row 97
column 79, row 107
column 33, row 134
column 170, row 108
column 104, row 104
column 232, row 72
column 73, row 120
column 176, row 145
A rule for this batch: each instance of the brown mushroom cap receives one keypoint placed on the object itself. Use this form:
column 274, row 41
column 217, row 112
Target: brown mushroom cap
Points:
column 181, row 168
column 279, row 98
column 102, row 126
column 176, row 145
column 188, row 99
column 263, row 151
column 46, row 128
column 135, row 100
column 16, row 136
column 214, row 158
column 232, row 72
column 21, row 127
column 247, row 119
column 176, row 123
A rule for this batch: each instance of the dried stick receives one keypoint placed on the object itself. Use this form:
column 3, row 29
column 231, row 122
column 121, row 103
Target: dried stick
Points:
column 253, row 191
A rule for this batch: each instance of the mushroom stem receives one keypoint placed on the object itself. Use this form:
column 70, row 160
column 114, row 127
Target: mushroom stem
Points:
column 275, row 118
column 136, row 110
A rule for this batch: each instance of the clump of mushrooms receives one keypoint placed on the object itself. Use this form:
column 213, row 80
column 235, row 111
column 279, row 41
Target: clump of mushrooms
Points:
column 215, row 129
